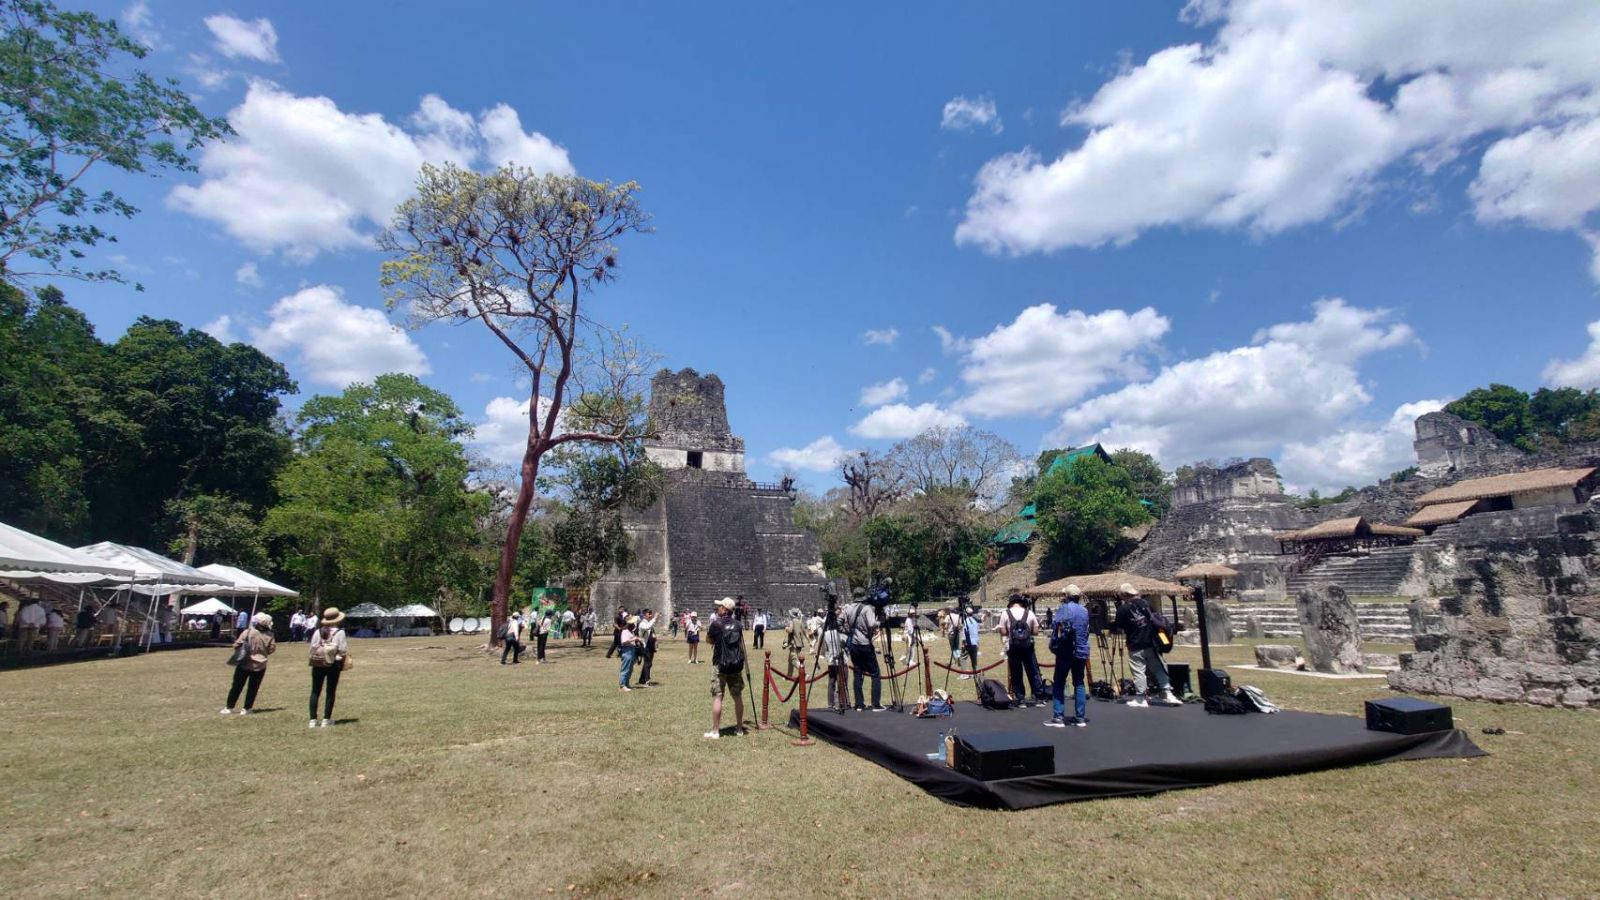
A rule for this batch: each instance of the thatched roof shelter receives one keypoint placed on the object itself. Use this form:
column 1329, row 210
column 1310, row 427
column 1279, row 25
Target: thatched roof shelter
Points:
column 1106, row 584
column 1507, row 485
column 1206, row 570
column 1440, row 514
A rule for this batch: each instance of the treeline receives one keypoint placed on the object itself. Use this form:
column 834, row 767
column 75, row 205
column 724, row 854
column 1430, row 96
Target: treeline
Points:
column 926, row 512
column 1547, row 419
column 168, row 439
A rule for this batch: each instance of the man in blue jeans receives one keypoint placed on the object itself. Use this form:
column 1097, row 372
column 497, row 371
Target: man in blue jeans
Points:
column 1069, row 638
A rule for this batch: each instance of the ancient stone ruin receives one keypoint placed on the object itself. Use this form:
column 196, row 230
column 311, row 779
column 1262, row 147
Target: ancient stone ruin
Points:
column 714, row 533
column 1331, row 631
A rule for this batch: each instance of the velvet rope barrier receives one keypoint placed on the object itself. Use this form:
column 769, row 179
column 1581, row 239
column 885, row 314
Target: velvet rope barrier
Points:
column 957, row 671
column 782, row 697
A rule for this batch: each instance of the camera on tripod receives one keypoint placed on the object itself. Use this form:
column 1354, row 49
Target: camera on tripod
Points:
column 879, row 595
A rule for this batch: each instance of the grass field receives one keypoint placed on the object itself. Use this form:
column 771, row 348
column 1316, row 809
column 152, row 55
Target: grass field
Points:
column 450, row 775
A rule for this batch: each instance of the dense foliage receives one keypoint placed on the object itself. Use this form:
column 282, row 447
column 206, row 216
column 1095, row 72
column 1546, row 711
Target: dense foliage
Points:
column 1082, row 510
column 1546, row 419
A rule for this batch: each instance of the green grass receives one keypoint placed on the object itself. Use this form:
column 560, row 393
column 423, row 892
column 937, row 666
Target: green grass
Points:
column 454, row 776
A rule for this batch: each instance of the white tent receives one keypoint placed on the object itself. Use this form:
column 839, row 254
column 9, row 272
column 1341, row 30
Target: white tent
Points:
column 246, row 584
column 207, row 607
column 367, row 611
column 155, row 576
column 415, row 611
column 28, row 557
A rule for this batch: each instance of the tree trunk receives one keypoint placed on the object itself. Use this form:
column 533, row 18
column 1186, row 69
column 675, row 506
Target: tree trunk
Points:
column 191, row 542
column 498, row 608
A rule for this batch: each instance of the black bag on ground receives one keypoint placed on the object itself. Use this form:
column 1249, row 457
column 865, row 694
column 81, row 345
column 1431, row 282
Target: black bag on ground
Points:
column 1102, row 690
column 1225, row 705
column 993, row 695
column 730, row 640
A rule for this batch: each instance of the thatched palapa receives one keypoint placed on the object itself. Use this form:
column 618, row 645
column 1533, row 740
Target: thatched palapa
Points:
column 1507, row 485
column 1206, row 570
column 1106, row 584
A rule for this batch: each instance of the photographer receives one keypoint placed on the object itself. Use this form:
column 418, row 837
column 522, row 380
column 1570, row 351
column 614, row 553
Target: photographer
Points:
column 861, row 627
column 1017, row 628
column 1136, row 621
column 970, row 631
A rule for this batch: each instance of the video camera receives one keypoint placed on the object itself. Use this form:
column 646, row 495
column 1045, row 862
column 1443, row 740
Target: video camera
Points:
column 879, row 595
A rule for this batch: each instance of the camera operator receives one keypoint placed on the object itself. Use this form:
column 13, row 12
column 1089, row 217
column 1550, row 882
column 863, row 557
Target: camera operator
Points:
column 861, row 627
column 829, row 649
column 971, row 629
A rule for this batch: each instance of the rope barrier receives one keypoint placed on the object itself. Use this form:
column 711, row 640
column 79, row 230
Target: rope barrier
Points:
column 782, row 698
column 992, row 665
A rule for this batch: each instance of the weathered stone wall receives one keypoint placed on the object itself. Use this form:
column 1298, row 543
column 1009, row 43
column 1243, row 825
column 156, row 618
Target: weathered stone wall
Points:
column 1251, row 478
column 1519, row 608
column 1447, row 443
column 688, row 411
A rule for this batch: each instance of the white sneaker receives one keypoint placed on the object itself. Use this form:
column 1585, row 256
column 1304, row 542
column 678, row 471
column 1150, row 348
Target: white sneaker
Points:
column 1139, row 702
column 713, row 735
column 1168, row 699
column 226, row 711
column 327, row 723
column 313, row 723
column 244, row 712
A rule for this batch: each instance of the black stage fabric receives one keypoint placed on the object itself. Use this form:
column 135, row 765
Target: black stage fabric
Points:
column 1126, row 751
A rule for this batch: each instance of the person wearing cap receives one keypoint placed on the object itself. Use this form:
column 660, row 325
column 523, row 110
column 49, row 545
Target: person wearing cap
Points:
column 1069, row 639
column 544, row 619
column 1137, row 625
column 1017, row 628
column 259, row 644
column 329, row 649
column 513, row 642
column 647, row 646
column 691, row 635
column 796, row 638
column 860, row 628
column 727, row 673
column 628, row 643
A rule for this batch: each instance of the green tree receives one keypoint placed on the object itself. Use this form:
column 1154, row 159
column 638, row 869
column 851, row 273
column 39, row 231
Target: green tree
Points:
column 522, row 254
column 1553, row 411
column 1500, row 408
column 1150, row 481
column 1082, row 510
column 216, row 528
column 375, row 505
column 586, row 537
column 932, row 544
column 69, row 107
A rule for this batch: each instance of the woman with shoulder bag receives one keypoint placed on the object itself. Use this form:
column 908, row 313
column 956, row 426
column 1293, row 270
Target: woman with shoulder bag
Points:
column 330, row 655
column 253, row 647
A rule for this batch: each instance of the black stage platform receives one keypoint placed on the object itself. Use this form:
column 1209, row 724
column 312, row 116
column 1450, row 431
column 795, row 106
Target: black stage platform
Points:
column 1126, row 751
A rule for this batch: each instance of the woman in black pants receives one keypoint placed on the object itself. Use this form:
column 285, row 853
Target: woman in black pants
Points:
column 543, row 635
column 259, row 644
column 329, row 649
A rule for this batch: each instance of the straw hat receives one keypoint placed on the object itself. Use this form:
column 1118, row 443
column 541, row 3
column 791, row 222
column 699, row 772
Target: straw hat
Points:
column 725, row 603
column 633, row 620
column 1072, row 590
column 332, row 616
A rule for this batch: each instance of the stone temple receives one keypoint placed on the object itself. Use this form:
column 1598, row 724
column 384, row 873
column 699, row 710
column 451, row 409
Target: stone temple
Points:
column 714, row 533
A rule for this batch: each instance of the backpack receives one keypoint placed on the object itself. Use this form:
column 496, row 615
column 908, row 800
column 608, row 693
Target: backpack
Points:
column 325, row 654
column 1254, row 700
column 1021, row 637
column 993, row 695
column 730, row 640
column 1225, row 705
column 1063, row 637
column 1160, row 632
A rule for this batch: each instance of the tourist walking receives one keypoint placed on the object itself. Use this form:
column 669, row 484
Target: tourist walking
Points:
column 647, row 646
column 672, row 627
column 970, row 631
column 796, row 638
column 1069, row 641
column 513, row 637
column 569, row 620
column 297, row 626
column 54, row 624
column 241, row 622
column 542, row 634
column 691, row 634
column 618, row 622
column 330, row 656
column 1136, row 621
column 1017, row 628
column 83, row 626
column 758, row 629
column 628, row 646
column 258, row 645
column 861, row 627
column 727, row 661
column 589, row 619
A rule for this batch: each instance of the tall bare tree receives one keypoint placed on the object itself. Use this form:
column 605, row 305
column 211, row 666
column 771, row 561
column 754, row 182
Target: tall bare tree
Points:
column 521, row 253
column 874, row 484
column 961, row 458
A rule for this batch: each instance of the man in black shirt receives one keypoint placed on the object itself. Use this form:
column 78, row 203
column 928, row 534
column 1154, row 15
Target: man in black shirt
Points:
column 1135, row 621
column 727, row 665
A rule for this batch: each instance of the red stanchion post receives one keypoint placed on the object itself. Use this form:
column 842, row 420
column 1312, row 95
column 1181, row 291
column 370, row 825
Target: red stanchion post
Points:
column 805, row 689
column 927, row 674
column 766, row 689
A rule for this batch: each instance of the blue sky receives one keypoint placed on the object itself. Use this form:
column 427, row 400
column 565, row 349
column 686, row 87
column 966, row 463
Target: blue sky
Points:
column 1253, row 228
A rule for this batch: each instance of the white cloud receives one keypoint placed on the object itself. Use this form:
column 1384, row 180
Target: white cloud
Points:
column 1297, row 383
column 302, row 176
column 248, row 275
column 900, row 420
column 481, row 377
column 965, row 114
column 138, row 21
column 335, row 342
column 927, row 375
column 1292, row 113
column 1045, row 360
column 948, row 342
column 1355, row 456
column 237, row 39
column 1583, row 372
column 221, row 328
column 821, row 455
column 502, row 436
column 884, row 392
column 884, row 336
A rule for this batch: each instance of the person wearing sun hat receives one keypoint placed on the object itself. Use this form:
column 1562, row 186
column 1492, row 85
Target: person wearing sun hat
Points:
column 259, row 644
column 330, row 650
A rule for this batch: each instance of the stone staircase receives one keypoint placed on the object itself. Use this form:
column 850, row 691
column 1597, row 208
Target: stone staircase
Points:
column 1379, row 573
column 1381, row 622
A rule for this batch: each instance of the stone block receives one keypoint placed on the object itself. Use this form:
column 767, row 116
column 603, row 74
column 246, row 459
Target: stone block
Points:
column 1277, row 656
column 1253, row 628
column 1379, row 661
column 1331, row 630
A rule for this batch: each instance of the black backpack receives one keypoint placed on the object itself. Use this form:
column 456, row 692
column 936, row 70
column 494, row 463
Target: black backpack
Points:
column 1160, row 632
column 730, row 640
column 993, row 695
column 1063, row 637
column 1225, row 705
column 1021, row 636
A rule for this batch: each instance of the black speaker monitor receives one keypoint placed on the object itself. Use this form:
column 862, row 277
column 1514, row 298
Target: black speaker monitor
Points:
column 993, row 755
column 1408, row 715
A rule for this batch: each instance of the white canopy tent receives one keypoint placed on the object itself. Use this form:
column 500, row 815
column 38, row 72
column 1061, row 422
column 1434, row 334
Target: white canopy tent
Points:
column 367, row 611
column 415, row 611
column 207, row 607
column 28, row 557
column 155, row 576
column 246, row 584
